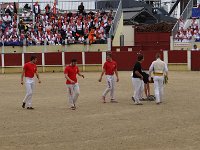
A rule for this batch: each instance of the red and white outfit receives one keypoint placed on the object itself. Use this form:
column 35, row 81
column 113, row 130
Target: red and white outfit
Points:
column 73, row 88
column 30, row 70
column 110, row 67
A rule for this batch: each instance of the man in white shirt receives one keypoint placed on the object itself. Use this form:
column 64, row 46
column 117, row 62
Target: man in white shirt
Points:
column 159, row 69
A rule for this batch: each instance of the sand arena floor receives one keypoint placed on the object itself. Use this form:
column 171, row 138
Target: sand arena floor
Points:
column 173, row 125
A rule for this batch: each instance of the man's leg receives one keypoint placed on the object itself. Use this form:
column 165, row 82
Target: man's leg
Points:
column 161, row 90
column 112, row 96
column 70, row 94
column 109, row 85
column 28, row 95
column 76, row 93
column 137, row 83
column 156, row 89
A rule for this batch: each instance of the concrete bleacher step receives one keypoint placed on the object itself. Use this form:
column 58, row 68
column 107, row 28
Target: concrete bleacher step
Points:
column 178, row 66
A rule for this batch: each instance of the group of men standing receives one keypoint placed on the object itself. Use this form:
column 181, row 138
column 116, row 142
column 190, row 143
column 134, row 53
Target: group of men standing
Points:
column 158, row 68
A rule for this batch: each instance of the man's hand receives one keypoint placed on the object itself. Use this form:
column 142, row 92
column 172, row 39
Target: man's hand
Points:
column 82, row 76
column 100, row 79
column 72, row 81
column 39, row 81
column 141, row 78
column 117, row 80
column 22, row 82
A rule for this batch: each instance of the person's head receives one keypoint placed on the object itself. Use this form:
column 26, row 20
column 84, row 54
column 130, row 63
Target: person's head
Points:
column 109, row 57
column 34, row 59
column 158, row 55
column 195, row 46
column 73, row 62
column 140, row 58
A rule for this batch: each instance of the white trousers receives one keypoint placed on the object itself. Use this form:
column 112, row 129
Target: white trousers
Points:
column 73, row 93
column 138, row 85
column 110, row 86
column 30, row 83
column 158, row 88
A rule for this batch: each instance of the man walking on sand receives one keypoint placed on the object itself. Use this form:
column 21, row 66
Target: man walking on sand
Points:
column 29, row 70
column 109, row 68
column 72, row 85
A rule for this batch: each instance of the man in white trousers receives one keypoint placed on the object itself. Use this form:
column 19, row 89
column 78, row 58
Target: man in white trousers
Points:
column 29, row 70
column 109, row 68
column 159, row 69
column 137, row 80
column 72, row 85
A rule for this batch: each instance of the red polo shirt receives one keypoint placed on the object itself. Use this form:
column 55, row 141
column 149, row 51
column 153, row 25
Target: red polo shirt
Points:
column 30, row 69
column 110, row 67
column 71, row 71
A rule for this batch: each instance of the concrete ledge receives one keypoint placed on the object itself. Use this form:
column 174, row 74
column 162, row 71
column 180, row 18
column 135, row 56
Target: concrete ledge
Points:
column 93, row 68
column 12, row 69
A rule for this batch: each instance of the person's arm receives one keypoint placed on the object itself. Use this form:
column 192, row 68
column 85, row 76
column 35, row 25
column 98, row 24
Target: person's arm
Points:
column 22, row 77
column 139, row 74
column 37, row 75
column 102, row 73
column 81, row 75
column 150, row 70
column 166, row 70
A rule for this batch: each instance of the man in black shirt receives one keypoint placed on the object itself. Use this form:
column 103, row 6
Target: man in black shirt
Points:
column 137, row 80
column 81, row 8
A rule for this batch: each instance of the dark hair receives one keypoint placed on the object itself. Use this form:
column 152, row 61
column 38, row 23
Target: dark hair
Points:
column 33, row 57
column 158, row 55
column 73, row 60
column 140, row 57
column 109, row 54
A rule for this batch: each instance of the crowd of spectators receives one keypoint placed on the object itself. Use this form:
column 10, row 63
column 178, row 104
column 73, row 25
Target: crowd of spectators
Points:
column 53, row 27
column 186, row 34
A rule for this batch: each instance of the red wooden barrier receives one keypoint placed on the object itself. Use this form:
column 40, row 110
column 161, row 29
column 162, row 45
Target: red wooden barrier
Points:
column 177, row 56
column 73, row 55
column 27, row 57
column 93, row 58
column 13, row 59
column 53, row 58
column 195, row 63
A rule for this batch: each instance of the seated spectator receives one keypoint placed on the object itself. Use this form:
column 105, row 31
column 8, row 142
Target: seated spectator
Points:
column 92, row 36
column 81, row 8
column 47, row 9
column 7, row 19
column 194, row 48
column 26, row 16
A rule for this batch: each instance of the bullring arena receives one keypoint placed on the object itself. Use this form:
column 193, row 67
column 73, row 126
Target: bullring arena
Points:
column 52, row 125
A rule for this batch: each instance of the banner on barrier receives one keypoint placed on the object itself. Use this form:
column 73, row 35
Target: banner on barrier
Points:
column 182, row 44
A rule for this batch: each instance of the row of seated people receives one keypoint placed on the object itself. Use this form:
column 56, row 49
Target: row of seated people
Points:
column 187, row 34
column 58, row 28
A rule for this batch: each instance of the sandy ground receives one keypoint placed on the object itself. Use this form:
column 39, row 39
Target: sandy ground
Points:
column 173, row 125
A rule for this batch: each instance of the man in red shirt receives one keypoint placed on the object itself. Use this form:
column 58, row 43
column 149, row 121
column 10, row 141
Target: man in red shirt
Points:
column 72, row 84
column 109, row 68
column 29, row 70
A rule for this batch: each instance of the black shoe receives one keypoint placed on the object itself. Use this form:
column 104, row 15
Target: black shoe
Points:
column 23, row 105
column 30, row 108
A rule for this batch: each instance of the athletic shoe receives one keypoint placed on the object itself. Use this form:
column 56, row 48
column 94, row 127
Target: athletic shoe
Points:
column 73, row 108
column 113, row 101
column 138, row 103
column 133, row 98
column 23, row 105
column 30, row 108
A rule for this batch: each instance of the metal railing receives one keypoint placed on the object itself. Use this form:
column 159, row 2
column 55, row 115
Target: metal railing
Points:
column 186, row 13
column 116, row 20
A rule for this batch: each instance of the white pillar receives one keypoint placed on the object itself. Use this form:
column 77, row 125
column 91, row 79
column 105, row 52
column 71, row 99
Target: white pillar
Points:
column 83, row 60
column 103, row 58
column 43, row 62
column 165, row 56
column 171, row 43
column 63, row 60
column 2, row 63
column 23, row 59
column 109, row 44
column 24, row 45
column 189, row 64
